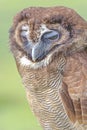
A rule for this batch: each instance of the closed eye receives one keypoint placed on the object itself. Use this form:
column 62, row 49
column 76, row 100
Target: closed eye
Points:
column 24, row 32
column 51, row 35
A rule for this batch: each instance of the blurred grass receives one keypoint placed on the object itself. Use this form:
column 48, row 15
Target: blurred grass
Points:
column 14, row 110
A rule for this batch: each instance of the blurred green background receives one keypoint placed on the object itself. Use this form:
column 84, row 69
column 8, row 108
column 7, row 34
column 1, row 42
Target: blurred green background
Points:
column 15, row 113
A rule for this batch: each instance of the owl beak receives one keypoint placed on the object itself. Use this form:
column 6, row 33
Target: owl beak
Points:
column 38, row 52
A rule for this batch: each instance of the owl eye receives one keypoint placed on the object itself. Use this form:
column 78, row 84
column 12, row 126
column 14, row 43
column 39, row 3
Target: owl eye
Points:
column 51, row 35
column 24, row 32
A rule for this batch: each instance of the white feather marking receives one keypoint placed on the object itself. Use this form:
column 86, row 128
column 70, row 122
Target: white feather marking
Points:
column 43, row 29
column 24, row 61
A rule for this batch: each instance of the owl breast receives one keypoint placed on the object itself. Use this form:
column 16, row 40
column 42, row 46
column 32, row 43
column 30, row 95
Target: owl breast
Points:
column 42, row 88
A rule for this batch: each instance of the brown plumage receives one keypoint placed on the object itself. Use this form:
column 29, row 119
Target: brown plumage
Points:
column 50, row 49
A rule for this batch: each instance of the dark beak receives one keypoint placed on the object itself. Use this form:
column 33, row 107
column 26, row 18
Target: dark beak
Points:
column 39, row 51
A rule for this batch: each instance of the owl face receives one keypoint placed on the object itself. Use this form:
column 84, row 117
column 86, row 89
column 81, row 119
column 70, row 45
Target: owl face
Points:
column 45, row 41
column 39, row 37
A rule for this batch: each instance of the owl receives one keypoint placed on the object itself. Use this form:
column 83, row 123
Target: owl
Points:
column 49, row 45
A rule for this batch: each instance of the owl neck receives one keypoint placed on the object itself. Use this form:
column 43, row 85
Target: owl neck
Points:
column 42, row 88
column 55, row 66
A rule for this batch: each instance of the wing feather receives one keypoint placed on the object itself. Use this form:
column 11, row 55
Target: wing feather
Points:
column 75, row 78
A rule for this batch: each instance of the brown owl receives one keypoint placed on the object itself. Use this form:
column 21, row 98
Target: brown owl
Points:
column 50, row 49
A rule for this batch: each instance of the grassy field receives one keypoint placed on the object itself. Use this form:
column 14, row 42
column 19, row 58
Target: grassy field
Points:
column 14, row 110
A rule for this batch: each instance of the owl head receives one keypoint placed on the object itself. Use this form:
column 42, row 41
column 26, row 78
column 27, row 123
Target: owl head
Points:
column 38, row 34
